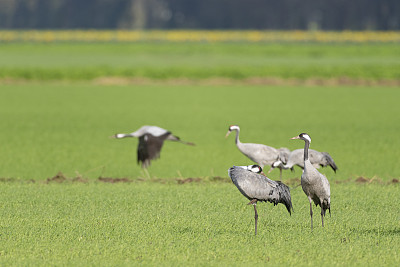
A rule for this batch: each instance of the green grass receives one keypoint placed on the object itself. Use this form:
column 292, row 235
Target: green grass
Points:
column 193, row 224
column 80, row 61
column 47, row 128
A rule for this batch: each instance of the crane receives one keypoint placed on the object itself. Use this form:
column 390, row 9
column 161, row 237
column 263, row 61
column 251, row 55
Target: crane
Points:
column 295, row 157
column 315, row 185
column 257, row 187
column 151, row 140
column 259, row 153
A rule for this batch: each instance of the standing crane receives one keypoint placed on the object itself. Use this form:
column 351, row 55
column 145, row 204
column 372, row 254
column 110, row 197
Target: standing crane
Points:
column 151, row 140
column 257, row 187
column 261, row 154
column 315, row 185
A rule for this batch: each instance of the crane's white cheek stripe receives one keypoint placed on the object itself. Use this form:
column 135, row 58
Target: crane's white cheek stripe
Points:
column 306, row 136
column 276, row 163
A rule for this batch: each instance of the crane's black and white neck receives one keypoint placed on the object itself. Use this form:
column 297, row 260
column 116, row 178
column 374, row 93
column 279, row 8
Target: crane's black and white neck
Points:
column 307, row 139
column 234, row 128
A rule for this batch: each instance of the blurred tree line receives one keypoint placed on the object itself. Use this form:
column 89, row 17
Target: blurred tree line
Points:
column 201, row 14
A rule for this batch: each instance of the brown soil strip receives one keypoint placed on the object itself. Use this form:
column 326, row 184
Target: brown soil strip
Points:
column 114, row 180
column 364, row 180
column 267, row 81
column 293, row 182
column 273, row 81
column 188, row 180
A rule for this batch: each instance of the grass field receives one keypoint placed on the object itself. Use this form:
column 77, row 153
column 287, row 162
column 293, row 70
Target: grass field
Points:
column 192, row 224
column 49, row 128
column 54, row 118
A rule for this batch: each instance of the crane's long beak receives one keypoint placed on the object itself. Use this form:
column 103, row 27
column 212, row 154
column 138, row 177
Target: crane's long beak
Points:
column 227, row 134
column 296, row 137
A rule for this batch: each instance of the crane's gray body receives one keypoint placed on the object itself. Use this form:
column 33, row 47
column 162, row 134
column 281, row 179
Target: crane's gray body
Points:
column 316, row 158
column 261, row 154
column 316, row 186
column 255, row 186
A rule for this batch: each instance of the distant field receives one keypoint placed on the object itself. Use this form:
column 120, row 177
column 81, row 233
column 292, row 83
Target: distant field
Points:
column 52, row 127
column 199, row 60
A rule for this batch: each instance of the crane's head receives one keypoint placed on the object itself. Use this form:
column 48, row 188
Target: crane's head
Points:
column 276, row 164
column 252, row 168
column 232, row 128
column 303, row 136
column 118, row 136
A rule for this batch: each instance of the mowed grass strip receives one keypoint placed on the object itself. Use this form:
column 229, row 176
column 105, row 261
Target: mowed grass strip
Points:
column 192, row 224
column 163, row 60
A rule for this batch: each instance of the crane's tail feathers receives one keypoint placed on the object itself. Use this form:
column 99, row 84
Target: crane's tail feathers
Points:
column 177, row 139
column 285, row 197
column 188, row 143
column 330, row 161
column 326, row 205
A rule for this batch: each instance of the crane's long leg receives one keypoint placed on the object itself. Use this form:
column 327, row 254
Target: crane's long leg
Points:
column 255, row 217
column 254, row 203
column 322, row 214
column 311, row 213
column 280, row 169
column 145, row 173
